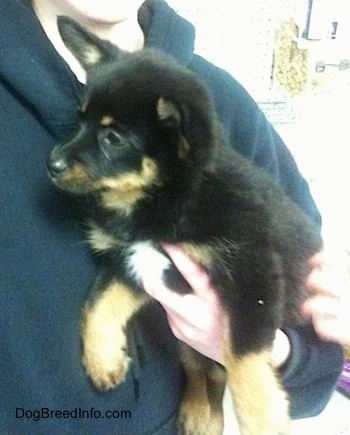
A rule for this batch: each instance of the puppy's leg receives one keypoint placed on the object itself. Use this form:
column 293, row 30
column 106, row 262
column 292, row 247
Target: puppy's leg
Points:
column 261, row 405
column 201, row 410
column 216, row 381
column 104, row 333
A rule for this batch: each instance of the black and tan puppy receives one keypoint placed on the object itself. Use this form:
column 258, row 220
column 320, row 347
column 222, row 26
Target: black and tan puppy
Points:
column 150, row 151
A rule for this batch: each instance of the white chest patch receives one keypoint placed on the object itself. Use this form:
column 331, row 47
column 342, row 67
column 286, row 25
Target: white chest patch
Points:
column 147, row 263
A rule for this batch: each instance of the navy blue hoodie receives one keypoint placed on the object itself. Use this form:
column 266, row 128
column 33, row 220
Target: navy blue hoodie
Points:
column 46, row 267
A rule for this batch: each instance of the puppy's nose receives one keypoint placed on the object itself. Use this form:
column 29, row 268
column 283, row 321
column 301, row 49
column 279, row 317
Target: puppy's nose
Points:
column 56, row 167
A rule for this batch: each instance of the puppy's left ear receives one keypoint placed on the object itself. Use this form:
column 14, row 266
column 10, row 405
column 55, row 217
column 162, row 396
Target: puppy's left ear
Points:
column 85, row 46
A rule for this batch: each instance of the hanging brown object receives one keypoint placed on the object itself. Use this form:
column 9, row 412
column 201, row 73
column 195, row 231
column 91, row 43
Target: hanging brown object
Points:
column 290, row 66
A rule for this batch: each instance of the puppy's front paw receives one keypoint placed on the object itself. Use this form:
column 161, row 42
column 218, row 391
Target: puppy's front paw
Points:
column 104, row 334
column 106, row 369
column 104, row 347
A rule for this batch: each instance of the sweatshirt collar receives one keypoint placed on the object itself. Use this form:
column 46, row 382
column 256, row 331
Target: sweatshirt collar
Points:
column 33, row 70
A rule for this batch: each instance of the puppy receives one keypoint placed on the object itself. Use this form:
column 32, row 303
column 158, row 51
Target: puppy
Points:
column 150, row 151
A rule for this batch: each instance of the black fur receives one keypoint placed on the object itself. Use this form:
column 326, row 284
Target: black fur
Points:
column 149, row 118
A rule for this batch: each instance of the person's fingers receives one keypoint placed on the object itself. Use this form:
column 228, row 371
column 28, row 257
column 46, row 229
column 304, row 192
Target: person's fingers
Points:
column 328, row 317
column 166, row 297
column 317, row 260
column 328, row 330
column 203, row 331
column 196, row 307
column 181, row 328
column 321, row 306
column 194, row 273
column 326, row 280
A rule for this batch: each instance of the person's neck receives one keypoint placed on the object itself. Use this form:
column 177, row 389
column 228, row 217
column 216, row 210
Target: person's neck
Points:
column 126, row 34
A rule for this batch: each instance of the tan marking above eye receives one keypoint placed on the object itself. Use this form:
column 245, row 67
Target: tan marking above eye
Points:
column 107, row 120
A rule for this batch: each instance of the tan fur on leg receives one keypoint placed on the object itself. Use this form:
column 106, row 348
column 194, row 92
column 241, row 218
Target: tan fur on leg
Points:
column 216, row 381
column 260, row 403
column 104, row 337
column 198, row 416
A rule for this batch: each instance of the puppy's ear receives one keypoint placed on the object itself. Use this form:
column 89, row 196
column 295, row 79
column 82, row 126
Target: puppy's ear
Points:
column 85, row 46
column 171, row 117
column 193, row 125
column 168, row 113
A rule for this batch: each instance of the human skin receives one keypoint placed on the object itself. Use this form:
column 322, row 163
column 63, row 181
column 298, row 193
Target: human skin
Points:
column 328, row 305
column 198, row 318
column 115, row 21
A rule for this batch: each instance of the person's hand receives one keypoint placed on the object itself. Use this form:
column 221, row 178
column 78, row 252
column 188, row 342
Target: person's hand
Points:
column 328, row 304
column 198, row 319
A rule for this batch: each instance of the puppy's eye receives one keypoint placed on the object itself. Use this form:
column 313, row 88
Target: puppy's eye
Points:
column 109, row 137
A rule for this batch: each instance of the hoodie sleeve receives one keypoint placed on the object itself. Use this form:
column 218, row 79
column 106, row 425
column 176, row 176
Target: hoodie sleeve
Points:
column 311, row 372
column 314, row 366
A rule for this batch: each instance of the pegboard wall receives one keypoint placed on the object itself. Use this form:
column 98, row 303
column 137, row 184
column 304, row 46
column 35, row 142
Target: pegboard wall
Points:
column 237, row 36
column 241, row 38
